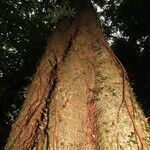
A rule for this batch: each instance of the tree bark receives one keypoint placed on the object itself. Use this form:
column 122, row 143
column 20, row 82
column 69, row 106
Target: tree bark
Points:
column 80, row 98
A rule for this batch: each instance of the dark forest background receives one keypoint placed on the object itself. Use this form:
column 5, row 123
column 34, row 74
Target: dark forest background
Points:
column 25, row 26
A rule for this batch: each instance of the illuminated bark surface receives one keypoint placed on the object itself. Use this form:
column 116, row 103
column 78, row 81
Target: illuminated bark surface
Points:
column 80, row 98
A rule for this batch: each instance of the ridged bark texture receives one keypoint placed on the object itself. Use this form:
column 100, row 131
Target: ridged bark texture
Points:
column 80, row 98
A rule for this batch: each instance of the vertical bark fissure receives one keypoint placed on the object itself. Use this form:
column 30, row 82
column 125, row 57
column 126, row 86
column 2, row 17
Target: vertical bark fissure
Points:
column 92, row 128
column 41, row 104
column 125, row 79
column 139, row 140
column 38, row 124
column 125, row 82
column 66, row 51
column 91, row 117
column 53, row 83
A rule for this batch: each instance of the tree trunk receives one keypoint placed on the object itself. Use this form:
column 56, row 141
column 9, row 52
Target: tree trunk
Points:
column 80, row 98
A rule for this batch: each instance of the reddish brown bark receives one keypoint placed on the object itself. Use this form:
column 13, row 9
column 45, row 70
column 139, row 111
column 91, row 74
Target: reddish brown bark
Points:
column 80, row 98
